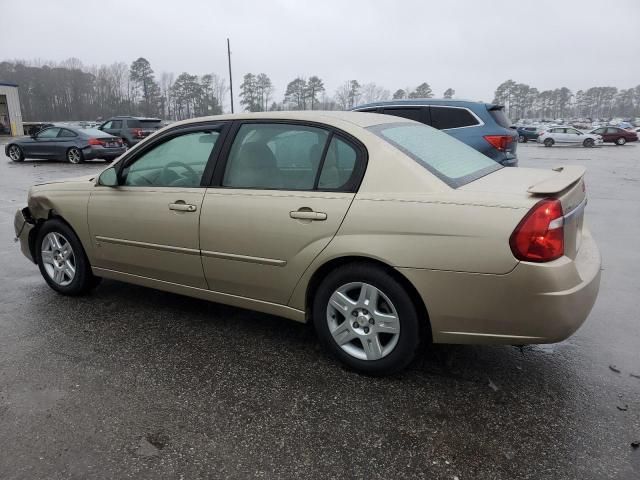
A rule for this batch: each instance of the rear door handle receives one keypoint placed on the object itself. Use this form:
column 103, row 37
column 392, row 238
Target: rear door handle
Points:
column 180, row 206
column 308, row 215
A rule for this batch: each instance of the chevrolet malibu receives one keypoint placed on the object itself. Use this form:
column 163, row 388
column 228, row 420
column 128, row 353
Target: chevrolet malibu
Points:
column 383, row 232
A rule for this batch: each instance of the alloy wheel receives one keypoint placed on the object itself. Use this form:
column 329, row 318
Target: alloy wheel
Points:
column 74, row 155
column 14, row 153
column 363, row 321
column 58, row 258
column 621, row 141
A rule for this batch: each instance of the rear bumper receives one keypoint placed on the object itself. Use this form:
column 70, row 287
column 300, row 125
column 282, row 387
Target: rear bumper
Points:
column 23, row 225
column 102, row 152
column 534, row 303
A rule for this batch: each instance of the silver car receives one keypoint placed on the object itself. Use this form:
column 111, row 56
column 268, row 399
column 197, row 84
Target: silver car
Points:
column 568, row 135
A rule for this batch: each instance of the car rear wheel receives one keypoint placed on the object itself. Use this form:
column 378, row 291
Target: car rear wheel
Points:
column 588, row 142
column 15, row 153
column 621, row 141
column 74, row 155
column 62, row 260
column 548, row 142
column 366, row 318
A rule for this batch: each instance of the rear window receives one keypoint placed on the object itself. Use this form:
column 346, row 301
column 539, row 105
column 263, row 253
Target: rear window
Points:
column 450, row 160
column 443, row 118
column 500, row 117
column 144, row 123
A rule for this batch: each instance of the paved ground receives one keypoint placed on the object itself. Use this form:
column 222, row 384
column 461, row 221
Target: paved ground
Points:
column 134, row 383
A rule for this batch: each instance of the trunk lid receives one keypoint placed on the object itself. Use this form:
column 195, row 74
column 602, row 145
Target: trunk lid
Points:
column 530, row 185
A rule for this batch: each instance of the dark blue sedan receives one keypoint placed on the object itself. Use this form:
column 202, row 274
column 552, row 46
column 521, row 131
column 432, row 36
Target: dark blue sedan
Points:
column 62, row 142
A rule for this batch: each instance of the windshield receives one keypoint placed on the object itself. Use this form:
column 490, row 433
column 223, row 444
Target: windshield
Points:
column 450, row 160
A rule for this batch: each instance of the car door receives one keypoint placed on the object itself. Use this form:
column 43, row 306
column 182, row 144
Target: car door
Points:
column 279, row 195
column 43, row 145
column 573, row 136
column 148, row 225
column 612, row 134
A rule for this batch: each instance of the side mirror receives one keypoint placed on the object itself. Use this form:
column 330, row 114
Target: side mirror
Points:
column 108, row 178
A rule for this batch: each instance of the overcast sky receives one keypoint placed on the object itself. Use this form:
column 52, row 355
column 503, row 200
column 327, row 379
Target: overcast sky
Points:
column 471, row 46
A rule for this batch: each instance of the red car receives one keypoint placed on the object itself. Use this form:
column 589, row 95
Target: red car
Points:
column 616, row 135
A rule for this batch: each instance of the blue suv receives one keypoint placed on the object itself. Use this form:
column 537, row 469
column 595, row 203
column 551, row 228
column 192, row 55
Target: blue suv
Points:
column 483, row 126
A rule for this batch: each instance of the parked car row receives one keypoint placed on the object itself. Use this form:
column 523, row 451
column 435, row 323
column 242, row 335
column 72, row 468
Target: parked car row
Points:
column 562, row 134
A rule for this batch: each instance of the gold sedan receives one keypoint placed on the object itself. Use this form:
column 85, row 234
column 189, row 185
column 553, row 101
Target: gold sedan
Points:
column 383, row 232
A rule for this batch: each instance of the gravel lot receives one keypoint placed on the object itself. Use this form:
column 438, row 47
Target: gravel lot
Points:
column 134, row 383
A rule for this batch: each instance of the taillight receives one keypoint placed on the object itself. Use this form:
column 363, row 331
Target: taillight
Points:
column 94, row 141
column 539, row 237
column 137, row 132
column 500, row 142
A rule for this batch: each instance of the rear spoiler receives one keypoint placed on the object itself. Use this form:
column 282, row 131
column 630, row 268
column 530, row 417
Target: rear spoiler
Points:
column 561, row 179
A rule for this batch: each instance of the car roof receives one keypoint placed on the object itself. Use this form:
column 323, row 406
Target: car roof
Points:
column 118, row 117
column 425, row 101
column 360, row 119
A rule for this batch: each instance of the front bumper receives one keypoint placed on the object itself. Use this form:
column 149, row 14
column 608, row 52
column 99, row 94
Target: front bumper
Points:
column 23, row 225
column 534, row 303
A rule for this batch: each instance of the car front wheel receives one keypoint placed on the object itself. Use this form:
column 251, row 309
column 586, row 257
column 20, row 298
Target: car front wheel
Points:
column 365, row 318
column 62, row 260
column 588, row 142
column 621, row 141
column 15, row 153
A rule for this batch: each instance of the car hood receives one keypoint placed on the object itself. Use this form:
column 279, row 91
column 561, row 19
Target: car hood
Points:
column 84, row 178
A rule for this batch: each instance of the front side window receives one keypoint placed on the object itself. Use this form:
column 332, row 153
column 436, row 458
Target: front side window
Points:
column 599, row 131
column 178, row 162
column 275, row 156
column 573, row 131
column 612, row 130
column 443, row 118
column 452, row 161
column 49, row 132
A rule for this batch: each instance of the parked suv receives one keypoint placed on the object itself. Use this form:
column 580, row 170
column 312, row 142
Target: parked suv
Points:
column 483, row 126
column 131, row 129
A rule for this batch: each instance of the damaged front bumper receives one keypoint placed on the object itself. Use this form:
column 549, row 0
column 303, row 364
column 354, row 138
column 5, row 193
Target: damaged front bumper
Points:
column 23, row 224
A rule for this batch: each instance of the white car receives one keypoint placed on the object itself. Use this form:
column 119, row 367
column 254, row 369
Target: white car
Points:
column 568, row 135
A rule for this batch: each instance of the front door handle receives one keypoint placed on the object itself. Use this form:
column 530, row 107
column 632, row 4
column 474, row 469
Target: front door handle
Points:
column 180, row 206
column 307, row 214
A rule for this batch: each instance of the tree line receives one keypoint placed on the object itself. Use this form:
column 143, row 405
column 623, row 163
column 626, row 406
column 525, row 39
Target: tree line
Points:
column 524, row 101
column 72, row 91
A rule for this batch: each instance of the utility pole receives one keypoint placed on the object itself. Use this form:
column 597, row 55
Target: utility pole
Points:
column 230, row 77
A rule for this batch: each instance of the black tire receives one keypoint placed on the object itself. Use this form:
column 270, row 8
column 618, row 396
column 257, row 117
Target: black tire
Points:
column 75, row 156
column 409, row 337
column 548, row 142
column 18, row 156
column 588, row 142
column 522, row 139
column 83, row 280
column 621, row 141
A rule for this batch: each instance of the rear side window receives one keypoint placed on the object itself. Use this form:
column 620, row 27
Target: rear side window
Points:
column 64, row 133
column 497, row 113
column 447, row 117
column 450, row 160
column 116, row 124
column 338, row 166
column 275, row 156
column 410, row 113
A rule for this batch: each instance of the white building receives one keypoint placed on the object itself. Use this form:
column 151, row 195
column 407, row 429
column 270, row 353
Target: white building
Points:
column 10, row 114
